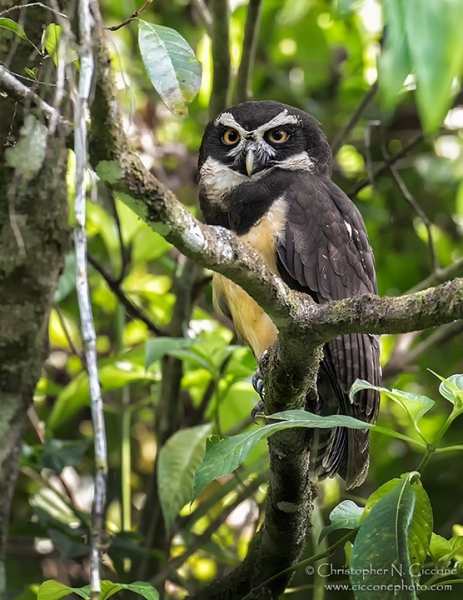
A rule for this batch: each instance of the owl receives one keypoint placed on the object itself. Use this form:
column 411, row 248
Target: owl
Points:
column 265, row 174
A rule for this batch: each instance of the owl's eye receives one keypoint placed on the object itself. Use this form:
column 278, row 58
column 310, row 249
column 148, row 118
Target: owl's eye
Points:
column 230, row 136
column 277, row 136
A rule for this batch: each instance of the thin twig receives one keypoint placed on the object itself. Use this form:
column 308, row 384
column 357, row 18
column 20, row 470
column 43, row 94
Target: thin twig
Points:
column 363, row 183
column 355, row 118
column 220, row 94
column 132, row 17
column 16, row 7
column 114, row 286
column 414, row 204
column 204, row 15
column 68, row 337
column 439, row 276
column 22, row 93
column 83, row 293
column 251, row 34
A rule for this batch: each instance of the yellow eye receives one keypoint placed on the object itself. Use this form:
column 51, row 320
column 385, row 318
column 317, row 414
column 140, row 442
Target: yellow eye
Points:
column 277, row 136
column 230, row 136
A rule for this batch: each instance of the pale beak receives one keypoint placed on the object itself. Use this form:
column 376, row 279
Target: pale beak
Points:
column 249, row 162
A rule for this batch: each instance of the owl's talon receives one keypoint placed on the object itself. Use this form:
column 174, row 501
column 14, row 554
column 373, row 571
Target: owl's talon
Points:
column 258, row 408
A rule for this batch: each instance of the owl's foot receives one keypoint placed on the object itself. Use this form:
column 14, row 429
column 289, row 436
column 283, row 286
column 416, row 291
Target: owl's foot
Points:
column 258, row 385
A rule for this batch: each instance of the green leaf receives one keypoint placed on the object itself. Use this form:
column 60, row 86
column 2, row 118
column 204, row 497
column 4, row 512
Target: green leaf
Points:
column 224, row 456
column 394, row 61
column 440, row 551
column 57, row 46
column 68, row 546
column 416, row 405
column 15, row 28
column 157, row 348
column 380, row 560
column 52, row 590
column 344, row 516
column 171, row 65
column 435, row 46
column 419, row 535
column 76, row 395
column 179, row 459
column 28, row 154
column 144, row 589
column 31, row 72
column 58, row 454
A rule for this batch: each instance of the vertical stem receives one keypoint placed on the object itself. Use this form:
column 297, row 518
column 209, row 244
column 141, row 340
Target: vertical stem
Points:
column 220, row 97
column 251, row 34
column 83, row 295
column 126, row 459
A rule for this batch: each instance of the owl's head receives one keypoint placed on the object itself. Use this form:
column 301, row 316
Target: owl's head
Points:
column 247, row 140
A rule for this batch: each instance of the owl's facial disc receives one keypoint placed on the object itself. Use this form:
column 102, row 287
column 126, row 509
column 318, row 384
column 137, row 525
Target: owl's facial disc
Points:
column 253, row 151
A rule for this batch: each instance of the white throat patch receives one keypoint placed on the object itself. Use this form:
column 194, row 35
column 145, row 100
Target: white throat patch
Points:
column 218, row 179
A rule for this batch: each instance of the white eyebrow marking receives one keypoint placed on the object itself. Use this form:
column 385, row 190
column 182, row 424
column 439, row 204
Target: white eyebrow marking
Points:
column 281, row 119
column 228, row 120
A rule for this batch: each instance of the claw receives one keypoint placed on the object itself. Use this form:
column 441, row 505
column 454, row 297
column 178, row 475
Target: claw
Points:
column 258, row 408
column 258, row 385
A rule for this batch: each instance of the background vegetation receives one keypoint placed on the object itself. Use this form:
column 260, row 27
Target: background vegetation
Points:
column 168, row 362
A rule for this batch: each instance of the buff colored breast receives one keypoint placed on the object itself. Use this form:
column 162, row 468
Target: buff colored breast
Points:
column 252, row 324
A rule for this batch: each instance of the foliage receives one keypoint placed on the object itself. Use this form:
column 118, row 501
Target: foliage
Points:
column 168, row 364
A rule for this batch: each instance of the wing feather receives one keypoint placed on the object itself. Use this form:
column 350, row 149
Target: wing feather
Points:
column 325, row 252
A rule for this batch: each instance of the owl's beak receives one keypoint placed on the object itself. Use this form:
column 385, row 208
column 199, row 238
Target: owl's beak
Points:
column 250, row 162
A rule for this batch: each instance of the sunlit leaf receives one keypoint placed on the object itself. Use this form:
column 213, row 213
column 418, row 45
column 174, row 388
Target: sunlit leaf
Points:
column 344, row 516
column 380, row 558
column 15, row 28
column 416, row 405
column 435, row 46
column 179, row 458
column 160, row 346
column 171, row 65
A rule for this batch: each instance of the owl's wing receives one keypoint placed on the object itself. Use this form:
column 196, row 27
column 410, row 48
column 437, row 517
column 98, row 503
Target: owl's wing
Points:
column 326, row 253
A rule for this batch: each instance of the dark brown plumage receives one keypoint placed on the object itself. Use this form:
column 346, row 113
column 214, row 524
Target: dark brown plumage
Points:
column 265, row 172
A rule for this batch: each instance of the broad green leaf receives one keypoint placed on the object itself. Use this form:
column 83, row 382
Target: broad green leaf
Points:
column 344, row 516
column 416, row 405
column 394, row 61
column 440, row 551
column 224, row 456
column 144, row 589
column 171, row 65
column 15, row 28
column 380, row 559
column 435, row 46
column 52, row 590
column 76, row 395
column 158, row 347
column 179, row 459
column 419, row 535
column 57, row 46
column 58, row 454
column 28, row 154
